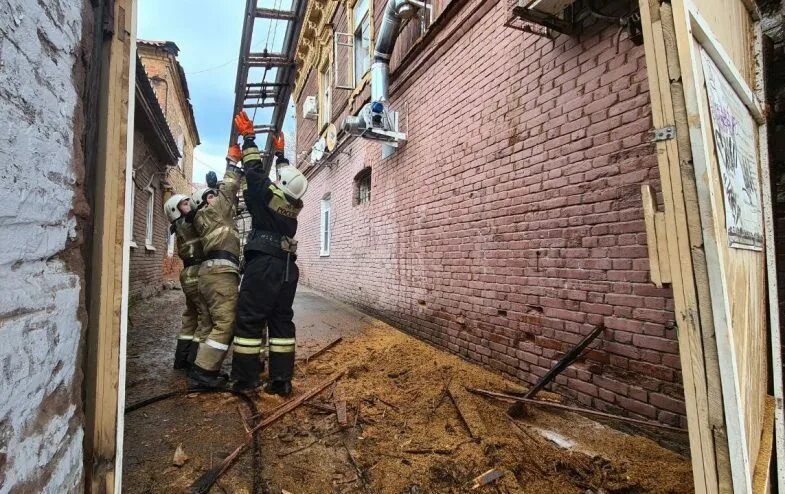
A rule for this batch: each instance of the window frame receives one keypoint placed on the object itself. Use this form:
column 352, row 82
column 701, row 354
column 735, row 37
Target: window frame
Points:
column 132, row 242
column 149, row 231
column 326, row 81
column 354, row 27
column 325, row 226
column 359, row 179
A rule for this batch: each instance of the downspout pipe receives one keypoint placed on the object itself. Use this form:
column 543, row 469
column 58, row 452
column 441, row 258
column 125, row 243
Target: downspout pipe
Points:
column 394, row 12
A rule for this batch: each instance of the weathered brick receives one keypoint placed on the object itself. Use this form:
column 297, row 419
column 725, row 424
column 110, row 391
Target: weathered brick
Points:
column 537, row 205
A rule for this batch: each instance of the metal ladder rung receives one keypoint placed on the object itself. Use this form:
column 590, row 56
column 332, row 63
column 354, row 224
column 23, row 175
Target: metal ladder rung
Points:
column 275, row 14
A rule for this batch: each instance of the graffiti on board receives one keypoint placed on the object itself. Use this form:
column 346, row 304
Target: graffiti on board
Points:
column 735, row 143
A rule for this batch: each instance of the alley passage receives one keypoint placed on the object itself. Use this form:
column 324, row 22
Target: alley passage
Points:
column 409, row 427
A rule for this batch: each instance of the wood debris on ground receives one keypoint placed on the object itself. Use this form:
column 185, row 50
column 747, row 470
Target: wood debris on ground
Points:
column 403, row 434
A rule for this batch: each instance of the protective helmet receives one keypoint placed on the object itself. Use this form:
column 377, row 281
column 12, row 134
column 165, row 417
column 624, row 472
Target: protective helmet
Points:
column 171, row 206
column 198, row 196
column 291, row 181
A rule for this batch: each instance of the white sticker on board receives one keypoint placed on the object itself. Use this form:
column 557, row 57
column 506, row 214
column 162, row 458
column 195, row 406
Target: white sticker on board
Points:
column 735, row 143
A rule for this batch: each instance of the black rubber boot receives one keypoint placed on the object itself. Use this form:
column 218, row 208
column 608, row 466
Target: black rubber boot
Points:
column 280, row 388
column 193, row 349
column 181, row 354
column 246, row 386
column 200, row 378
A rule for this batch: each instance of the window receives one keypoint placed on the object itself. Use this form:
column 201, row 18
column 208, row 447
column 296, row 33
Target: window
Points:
column 170, row 245
column 132, row 243
column 362, row 40
column 180, row 148
column 148, row 235
column 362, row 187
column 325, row 230
column 325, row 93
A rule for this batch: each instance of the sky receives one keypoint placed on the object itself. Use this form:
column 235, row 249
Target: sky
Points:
column 208, row 34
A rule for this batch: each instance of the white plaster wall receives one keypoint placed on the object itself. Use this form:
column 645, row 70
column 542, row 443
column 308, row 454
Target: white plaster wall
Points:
column 41, row 428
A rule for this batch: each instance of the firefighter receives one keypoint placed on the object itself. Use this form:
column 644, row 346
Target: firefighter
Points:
column 271, row 275
column 219, row 274
column 196, row 320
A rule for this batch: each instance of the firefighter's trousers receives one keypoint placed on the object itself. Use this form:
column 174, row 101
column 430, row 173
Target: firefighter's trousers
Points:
column 218, row 287
column 266, row 296
column 196, row 322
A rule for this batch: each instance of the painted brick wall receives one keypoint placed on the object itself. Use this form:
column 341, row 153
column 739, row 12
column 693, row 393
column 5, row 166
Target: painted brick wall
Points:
column 146, row 264
column 510, row 224
column 41, row 173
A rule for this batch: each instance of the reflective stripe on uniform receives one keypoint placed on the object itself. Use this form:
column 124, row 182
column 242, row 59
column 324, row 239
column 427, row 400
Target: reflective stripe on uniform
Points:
column 251, row 153
column 282, row 348
column 219, row 262
column 248, row 350
column 247, row 341
column 216, row 345
column 185, row 337
column 282, row 341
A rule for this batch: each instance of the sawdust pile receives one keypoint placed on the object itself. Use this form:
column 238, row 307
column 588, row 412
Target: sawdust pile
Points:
column 406, row 435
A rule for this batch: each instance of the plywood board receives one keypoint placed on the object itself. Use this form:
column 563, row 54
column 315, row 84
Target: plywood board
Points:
column 731, row 22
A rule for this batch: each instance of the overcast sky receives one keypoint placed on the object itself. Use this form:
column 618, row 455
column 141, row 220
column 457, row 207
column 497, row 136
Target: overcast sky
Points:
column 208, row 34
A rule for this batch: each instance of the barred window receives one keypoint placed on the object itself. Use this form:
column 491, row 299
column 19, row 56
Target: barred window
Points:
column 362, row 187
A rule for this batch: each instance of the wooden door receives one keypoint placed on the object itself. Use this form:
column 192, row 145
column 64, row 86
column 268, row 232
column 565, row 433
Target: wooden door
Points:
column 704, row 60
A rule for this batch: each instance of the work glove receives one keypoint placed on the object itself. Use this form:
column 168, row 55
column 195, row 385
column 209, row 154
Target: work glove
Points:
column 279, row 143
column 244, row 125
column 212, row 180
column 235, row 154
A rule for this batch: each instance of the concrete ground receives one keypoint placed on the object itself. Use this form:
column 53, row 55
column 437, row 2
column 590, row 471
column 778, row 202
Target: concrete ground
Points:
column 320, row 320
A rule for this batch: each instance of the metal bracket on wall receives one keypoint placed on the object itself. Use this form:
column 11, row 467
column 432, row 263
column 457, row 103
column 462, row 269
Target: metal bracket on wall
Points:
column 663, row 134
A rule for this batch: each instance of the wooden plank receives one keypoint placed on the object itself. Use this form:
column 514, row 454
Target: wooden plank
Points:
column 467, row 411
column 760, row 481
column 107, row 304
column 340, row 413
column 679, row 255
column 661, row 233
column 649, row 212
column 706, row 340
column 771, row 270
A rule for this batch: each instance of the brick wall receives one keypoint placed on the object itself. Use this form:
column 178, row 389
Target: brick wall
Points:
column 158, row 64
column 147, row 260
column 510, row 224
column 42, row 170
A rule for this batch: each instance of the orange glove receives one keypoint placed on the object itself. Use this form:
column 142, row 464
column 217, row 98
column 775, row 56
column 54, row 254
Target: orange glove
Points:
column 235, row 154
column 244, row 124
column 279, row 142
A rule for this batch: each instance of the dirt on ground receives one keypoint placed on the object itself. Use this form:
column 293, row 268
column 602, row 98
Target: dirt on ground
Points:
column 411, row 427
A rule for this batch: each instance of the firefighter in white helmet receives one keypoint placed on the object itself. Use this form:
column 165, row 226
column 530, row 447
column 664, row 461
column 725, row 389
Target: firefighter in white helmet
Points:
column 219, row 274
column 270, row 278
column 196, row 319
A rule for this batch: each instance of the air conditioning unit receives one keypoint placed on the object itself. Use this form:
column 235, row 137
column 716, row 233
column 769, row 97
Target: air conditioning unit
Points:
column 376, row 122
column 310, row 108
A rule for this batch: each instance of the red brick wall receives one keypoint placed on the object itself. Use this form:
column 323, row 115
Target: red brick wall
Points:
column 145, row 269
column 510, row 224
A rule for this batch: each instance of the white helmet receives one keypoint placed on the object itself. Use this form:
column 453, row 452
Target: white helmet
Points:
column 197, row 198
column 171, row 206
column 291, row 181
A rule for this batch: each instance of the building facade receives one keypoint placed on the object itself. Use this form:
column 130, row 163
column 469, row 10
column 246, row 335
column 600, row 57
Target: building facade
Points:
column 171, row 87
column 510, row 223
column 155, row 152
